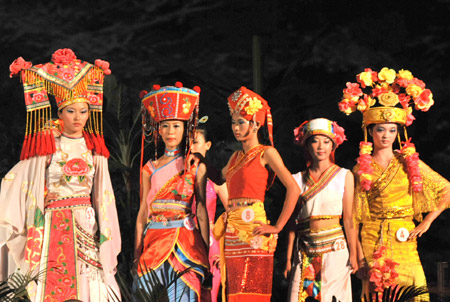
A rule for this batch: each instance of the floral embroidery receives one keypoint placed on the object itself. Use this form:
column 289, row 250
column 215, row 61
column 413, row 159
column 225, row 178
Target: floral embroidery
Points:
column 253, row 105
column 76, row 167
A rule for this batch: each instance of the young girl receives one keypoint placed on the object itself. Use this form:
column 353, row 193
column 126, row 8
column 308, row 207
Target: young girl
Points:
column 392, row 187
column 322, row 264
column 202, row 144
column 167, row 240
column 249, row 239
column 58, row 213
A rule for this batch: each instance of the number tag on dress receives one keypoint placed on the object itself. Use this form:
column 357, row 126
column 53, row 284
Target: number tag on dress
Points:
column 339, row 245
column 248, row 215
column 188, row 223
column 402, row 234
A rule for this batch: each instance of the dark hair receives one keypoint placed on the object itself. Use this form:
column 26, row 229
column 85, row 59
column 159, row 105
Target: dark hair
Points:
column 201, row 127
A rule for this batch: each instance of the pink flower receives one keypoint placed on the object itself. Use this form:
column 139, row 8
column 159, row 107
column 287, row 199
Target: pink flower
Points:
column 67, row 75
column 347, row 106
column 339, row 132
column 424, row 101
column 38, row 97
column 402, row 82
column 409, row 119
column 76, row 167
column 404, row 100
column 352, row 90
column 378, row 91
column 63, row 56
column 103, row 65
column 93, row 99
column 18, row 65
column 418, row 82
column 298, row 133
column 380, row 252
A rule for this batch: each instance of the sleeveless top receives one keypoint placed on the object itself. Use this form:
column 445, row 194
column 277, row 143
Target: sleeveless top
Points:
column 246, row 177
column 321, row 198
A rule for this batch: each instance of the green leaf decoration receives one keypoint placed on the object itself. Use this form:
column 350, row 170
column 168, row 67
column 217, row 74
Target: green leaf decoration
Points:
column 103, row 238
column 38, row 218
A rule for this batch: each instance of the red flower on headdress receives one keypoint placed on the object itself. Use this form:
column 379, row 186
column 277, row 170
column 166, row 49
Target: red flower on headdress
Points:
column 18, row 65
column 103, row 65
column 63, row 56
column 352, row 90
column 298, row 133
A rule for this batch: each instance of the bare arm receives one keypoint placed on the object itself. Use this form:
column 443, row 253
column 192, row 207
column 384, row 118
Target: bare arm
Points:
column 426, row 223
column 141, row 220
column 273, row 159
column 222, row 192
column 200, row 197
column 290, row 248
column 349, row 226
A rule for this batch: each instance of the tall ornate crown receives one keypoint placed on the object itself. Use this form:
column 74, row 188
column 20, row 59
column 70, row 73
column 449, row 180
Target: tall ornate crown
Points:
column 69, row 80
column 169, row 103
column 396, row 93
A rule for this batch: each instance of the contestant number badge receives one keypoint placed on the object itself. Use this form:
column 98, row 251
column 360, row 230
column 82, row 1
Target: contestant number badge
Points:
column 248, row 215
column 402, row 234
column 339, row 245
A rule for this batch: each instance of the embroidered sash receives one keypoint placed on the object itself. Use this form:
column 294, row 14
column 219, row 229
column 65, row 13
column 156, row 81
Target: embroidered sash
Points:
column 385, row 178
column 61, row 265
column 316, row 187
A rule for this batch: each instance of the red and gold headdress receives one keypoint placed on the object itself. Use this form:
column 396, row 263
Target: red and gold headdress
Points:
column 69, row 80
column 169, row 103
column 396, row 93
column 252, row 107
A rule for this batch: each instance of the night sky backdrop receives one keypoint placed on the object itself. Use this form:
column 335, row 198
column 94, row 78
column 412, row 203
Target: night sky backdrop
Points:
column 309, row 50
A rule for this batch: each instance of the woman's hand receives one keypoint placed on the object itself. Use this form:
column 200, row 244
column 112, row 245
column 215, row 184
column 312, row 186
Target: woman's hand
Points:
column 287, row 269
column 50, row 198
column 354, row 263
column 263, row 229
column 419, row 230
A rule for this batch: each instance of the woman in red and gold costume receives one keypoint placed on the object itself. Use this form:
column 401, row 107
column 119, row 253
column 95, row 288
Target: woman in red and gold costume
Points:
column 393, row 188
column 248, row 240
column 58, row 214
column 167, row 239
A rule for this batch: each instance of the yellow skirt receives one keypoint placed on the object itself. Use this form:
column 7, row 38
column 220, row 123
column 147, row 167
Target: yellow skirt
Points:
column 383, row 232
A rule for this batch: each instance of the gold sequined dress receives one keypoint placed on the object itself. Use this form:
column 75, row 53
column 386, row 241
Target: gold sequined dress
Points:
column 391, row 205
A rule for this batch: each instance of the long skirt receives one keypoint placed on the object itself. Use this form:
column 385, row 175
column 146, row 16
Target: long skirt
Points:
column 248, row 258
column 321, row 269
column 410, row 271
column 69, row 263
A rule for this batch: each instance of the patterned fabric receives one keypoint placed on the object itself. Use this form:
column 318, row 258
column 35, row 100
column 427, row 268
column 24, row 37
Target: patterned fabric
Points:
column 171, row 241
column 388, row 206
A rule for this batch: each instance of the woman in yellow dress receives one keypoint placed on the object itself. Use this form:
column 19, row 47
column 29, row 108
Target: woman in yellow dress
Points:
column 393, row 188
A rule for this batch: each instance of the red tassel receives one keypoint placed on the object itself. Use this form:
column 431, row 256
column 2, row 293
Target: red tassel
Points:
column 52, row 142
column 32, row 149
column 39, row 143
column 105, row 151
column 24, row 153
column 88, row 140
column 97, row 148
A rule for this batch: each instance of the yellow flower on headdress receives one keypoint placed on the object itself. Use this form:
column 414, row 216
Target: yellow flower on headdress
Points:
column 405, row 74
column 253, row 106
column 389, row 99
column 387, row 75
column 186, row 106
column 366, row 77
column 413, row 90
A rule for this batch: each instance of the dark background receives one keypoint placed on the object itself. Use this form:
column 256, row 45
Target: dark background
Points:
column 310, row 49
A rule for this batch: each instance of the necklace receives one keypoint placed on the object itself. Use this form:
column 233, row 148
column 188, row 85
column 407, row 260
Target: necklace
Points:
column 171, row 153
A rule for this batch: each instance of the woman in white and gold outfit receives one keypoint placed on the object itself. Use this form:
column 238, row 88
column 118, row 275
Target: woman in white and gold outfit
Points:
column 58, row 214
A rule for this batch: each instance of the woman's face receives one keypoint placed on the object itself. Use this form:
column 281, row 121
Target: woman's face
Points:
column 242, row 129
column 383, row 135
column 320, row 147
column 74, row 118
column 199, row 144
column 171, row 132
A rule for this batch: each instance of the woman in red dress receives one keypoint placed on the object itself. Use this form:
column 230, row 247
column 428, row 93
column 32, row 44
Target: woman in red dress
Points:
column 248, row 239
